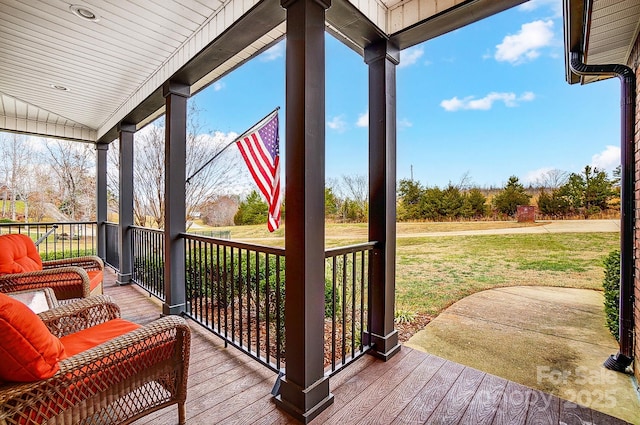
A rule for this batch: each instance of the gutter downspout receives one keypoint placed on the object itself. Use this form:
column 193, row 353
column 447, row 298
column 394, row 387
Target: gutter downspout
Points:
column 620, row 361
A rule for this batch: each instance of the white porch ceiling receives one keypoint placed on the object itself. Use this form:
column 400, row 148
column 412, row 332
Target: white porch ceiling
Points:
column 613, row 28
column 113, row 65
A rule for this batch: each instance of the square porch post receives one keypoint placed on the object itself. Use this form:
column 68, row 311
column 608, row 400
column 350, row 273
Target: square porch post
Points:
column 304, row 390
column 175, row 163
column 382, row 58
column 101, row 199
column 125, row 211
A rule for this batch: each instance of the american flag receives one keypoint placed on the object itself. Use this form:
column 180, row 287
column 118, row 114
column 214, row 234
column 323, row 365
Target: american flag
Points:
column 260, row 149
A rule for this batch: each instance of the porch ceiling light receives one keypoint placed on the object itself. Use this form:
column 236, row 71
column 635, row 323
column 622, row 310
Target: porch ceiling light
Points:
column 84, row 13
column 59, row 87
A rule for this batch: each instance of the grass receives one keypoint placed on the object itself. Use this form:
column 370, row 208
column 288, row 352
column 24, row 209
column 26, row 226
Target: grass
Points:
column 433, row 272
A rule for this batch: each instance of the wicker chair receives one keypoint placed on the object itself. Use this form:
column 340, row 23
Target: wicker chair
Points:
column 115, row 382
column 21, row 268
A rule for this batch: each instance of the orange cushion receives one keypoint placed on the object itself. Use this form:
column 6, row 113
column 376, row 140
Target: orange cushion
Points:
column 18, row 254
column 95, row 278
column 88, row 338
column 28, row 351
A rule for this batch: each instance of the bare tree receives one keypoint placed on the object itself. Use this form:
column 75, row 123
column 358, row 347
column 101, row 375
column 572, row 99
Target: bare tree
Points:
column 149, row 157
column 355, row 196
column 552, row 179
column 356, row 188
column 72, row 163
column 41, row 192
column 206, row 184
column 465, row 182
column 15, row 154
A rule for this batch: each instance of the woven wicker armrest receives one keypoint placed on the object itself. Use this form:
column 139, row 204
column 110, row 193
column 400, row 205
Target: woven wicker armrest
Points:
column 134, row 345
column 89, row 262
column 112, row 383
column 81, row 314
column 66, row 282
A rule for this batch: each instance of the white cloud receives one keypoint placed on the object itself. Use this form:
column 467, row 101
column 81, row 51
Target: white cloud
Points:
column 410, row 56
column 218, row 138
column 363, row 120
column 485, row 103
column 554, row 5
column 273, row 53
column 404, row 123
column 526, row 44
column 337, row 123
column 608, row 159
column 218, row 85
column 527, row 96
column 536, row 176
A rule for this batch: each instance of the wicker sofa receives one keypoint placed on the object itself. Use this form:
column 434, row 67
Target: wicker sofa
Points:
column 114, row 382
column 21, row 268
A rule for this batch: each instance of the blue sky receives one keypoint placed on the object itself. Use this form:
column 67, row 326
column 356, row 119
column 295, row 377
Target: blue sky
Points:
column 487, row 101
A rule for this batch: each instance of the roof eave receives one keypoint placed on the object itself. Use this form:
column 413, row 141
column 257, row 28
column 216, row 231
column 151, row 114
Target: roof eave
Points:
column 574, row 35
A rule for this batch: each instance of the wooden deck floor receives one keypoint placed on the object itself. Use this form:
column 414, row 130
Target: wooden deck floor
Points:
column 226, row 387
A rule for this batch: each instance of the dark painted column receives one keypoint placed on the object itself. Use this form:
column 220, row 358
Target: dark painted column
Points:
column 382, row 58
column 304, row 391
column 174, row 195
column 101, row 198
column 125, row 211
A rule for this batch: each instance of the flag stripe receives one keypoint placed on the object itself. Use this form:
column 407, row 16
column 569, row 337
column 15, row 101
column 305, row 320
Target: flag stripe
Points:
column 260, row 163
column 254, row 169
column 261, row 153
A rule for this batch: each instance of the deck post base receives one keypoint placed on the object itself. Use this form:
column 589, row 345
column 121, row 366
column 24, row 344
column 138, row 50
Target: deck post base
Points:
column 304, row 404
column 123, row 279
column 384, row 347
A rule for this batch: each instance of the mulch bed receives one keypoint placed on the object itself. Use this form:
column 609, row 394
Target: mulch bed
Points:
column 405, row 330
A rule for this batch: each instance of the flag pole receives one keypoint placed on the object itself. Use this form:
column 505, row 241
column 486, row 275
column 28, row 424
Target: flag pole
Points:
column 188, row 181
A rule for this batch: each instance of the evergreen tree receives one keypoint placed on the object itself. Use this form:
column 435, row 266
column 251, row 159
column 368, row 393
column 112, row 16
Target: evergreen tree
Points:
column 253, row 210
column 410, row 195
column 588, row 192
column 553, row 204
column 475, row 204
column 452, row 205
column 330, row 203
column 512, row 195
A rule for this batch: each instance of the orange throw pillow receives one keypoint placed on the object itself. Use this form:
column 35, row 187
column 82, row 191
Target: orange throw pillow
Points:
column 28, row 351
column 18, row 254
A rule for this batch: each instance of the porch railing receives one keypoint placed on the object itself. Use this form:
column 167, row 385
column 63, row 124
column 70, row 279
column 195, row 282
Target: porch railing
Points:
column 237, row 291
column 148, row 260
column 346, row 304
column 70, row 239
column 112, row 254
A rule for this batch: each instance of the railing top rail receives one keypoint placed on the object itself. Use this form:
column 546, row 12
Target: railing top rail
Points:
column 147, row 229
column 234, row 244
column 48, row 223
column 366, row 246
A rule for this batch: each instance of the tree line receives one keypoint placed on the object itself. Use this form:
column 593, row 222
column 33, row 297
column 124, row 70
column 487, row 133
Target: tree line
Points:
column 56, row 179
column 557, row 194
column 49, row 178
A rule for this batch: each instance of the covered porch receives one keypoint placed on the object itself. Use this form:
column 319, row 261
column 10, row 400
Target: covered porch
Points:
column 226, row 387
column 387, row 385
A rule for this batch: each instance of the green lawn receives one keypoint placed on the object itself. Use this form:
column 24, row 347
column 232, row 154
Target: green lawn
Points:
column 434, row 272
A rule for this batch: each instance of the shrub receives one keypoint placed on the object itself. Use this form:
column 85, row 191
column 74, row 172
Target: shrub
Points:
column 57, row 255
column 611, row 285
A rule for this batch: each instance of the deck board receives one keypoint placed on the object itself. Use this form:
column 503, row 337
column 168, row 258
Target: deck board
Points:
column 227, row 387
column 482, row 408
